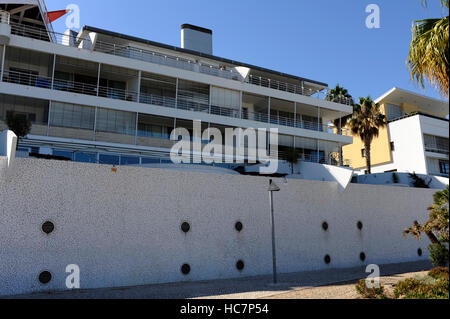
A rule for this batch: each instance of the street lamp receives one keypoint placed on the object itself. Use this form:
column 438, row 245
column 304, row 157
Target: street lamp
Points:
column 273, row 188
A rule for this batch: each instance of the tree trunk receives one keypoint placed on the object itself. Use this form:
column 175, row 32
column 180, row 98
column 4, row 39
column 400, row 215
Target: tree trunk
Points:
column 368, row 164
column 432, row 237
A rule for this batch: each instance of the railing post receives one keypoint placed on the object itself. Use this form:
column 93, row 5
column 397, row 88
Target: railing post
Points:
column 295, row 115
column 53, row 71
column 49, row 116
column 136, row 130
column 176, row 93
column 240, row 104
column 95, row 123
column 210, row 99
column 138, row 97
column 98, row 78
column 3, row 63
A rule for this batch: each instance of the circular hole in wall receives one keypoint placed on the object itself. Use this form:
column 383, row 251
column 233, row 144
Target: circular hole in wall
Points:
column 238, row 226
column 327, row 259
column 240, row 265
column 45, row 277
column 419, row 252
column 185, row 269
column 359, row 225
column 362, row 256
column 325, row 226
column 48, row 227
column 185, row 227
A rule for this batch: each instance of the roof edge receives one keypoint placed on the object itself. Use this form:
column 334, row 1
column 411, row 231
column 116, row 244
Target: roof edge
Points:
column 200, row 54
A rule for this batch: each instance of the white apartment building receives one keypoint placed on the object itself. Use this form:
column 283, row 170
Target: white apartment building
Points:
column 104, row 97
column 417, row 135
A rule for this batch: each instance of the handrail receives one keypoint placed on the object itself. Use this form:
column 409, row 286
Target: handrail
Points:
column 29, row 79
column 165, row 59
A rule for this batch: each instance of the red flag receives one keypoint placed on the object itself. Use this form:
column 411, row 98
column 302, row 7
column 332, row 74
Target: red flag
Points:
column 54, row 15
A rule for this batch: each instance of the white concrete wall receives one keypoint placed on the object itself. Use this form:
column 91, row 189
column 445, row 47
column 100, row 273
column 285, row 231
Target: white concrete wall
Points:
column 123, row 228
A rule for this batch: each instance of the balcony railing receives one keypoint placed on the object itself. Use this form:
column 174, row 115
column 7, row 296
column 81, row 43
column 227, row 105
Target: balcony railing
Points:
column 29, row 79
column 436, row 149
column 163, row 59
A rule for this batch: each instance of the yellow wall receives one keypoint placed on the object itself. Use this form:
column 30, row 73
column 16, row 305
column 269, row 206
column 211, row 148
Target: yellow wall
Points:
column 381, row 149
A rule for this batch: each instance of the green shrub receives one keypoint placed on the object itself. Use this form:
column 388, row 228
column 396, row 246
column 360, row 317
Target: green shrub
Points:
column 369, row 293
column 422, row 288
column 438, row 255
column 439, row 273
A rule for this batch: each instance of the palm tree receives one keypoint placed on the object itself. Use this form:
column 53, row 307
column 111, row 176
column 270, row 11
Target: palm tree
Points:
column 339, row 94
column 366, row 123
column 292, row 157
column 429, row 52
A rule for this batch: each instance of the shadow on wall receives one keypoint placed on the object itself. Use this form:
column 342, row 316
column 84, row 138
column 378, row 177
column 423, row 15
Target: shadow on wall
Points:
column 400, row 180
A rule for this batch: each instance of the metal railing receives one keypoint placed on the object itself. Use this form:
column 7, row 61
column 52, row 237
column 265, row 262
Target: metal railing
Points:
column 29, row 79
column 163, row 59
column 24, row 78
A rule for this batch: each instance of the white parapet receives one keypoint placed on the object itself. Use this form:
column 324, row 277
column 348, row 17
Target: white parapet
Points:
column 8, row 142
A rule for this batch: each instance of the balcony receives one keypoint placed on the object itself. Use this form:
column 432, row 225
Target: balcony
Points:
column 131, row 52
column 287, row 119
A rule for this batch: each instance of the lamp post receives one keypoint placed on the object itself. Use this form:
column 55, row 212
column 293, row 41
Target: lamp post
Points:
column 273, row 188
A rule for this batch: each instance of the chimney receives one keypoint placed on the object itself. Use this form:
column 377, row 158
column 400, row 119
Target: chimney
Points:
column 196, row 39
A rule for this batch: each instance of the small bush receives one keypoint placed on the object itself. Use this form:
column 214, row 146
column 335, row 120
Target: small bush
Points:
column 369, row 293
column 440, row 273
column 438, row 255
column 422, row 288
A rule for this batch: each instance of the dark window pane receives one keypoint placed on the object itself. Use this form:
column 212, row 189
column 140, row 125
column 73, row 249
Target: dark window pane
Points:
column 65, row 154
column 109, row 159
column 150, row 160
column 85, row 157
column 129, row 160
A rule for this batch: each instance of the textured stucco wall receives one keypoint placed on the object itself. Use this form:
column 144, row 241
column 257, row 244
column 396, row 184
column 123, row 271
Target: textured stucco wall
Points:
column 123, row 228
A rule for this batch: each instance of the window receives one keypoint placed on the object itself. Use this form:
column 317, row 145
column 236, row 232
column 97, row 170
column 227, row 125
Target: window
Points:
column 392, row 146
column 116, row 121
column 72, row 115
column 129, row 160
column 151, row 160
column 109, row 159
column 443, row 167
column 62, row 153
column 363, row 153
column 85, row 157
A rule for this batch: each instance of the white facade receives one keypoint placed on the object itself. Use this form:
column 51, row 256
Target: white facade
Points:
column 125, row 95
column 411, row 152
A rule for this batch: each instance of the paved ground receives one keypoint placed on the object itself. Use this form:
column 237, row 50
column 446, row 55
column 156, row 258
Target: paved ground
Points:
column 332, row 283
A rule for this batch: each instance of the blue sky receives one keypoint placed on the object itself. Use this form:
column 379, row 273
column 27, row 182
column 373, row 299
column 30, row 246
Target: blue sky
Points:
column 324, row 40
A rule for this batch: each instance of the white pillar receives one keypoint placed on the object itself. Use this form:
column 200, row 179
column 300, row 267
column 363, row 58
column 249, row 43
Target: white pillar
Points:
column 269, row 110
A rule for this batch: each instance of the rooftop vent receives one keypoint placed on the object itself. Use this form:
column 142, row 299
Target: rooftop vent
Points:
column 196, row 39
